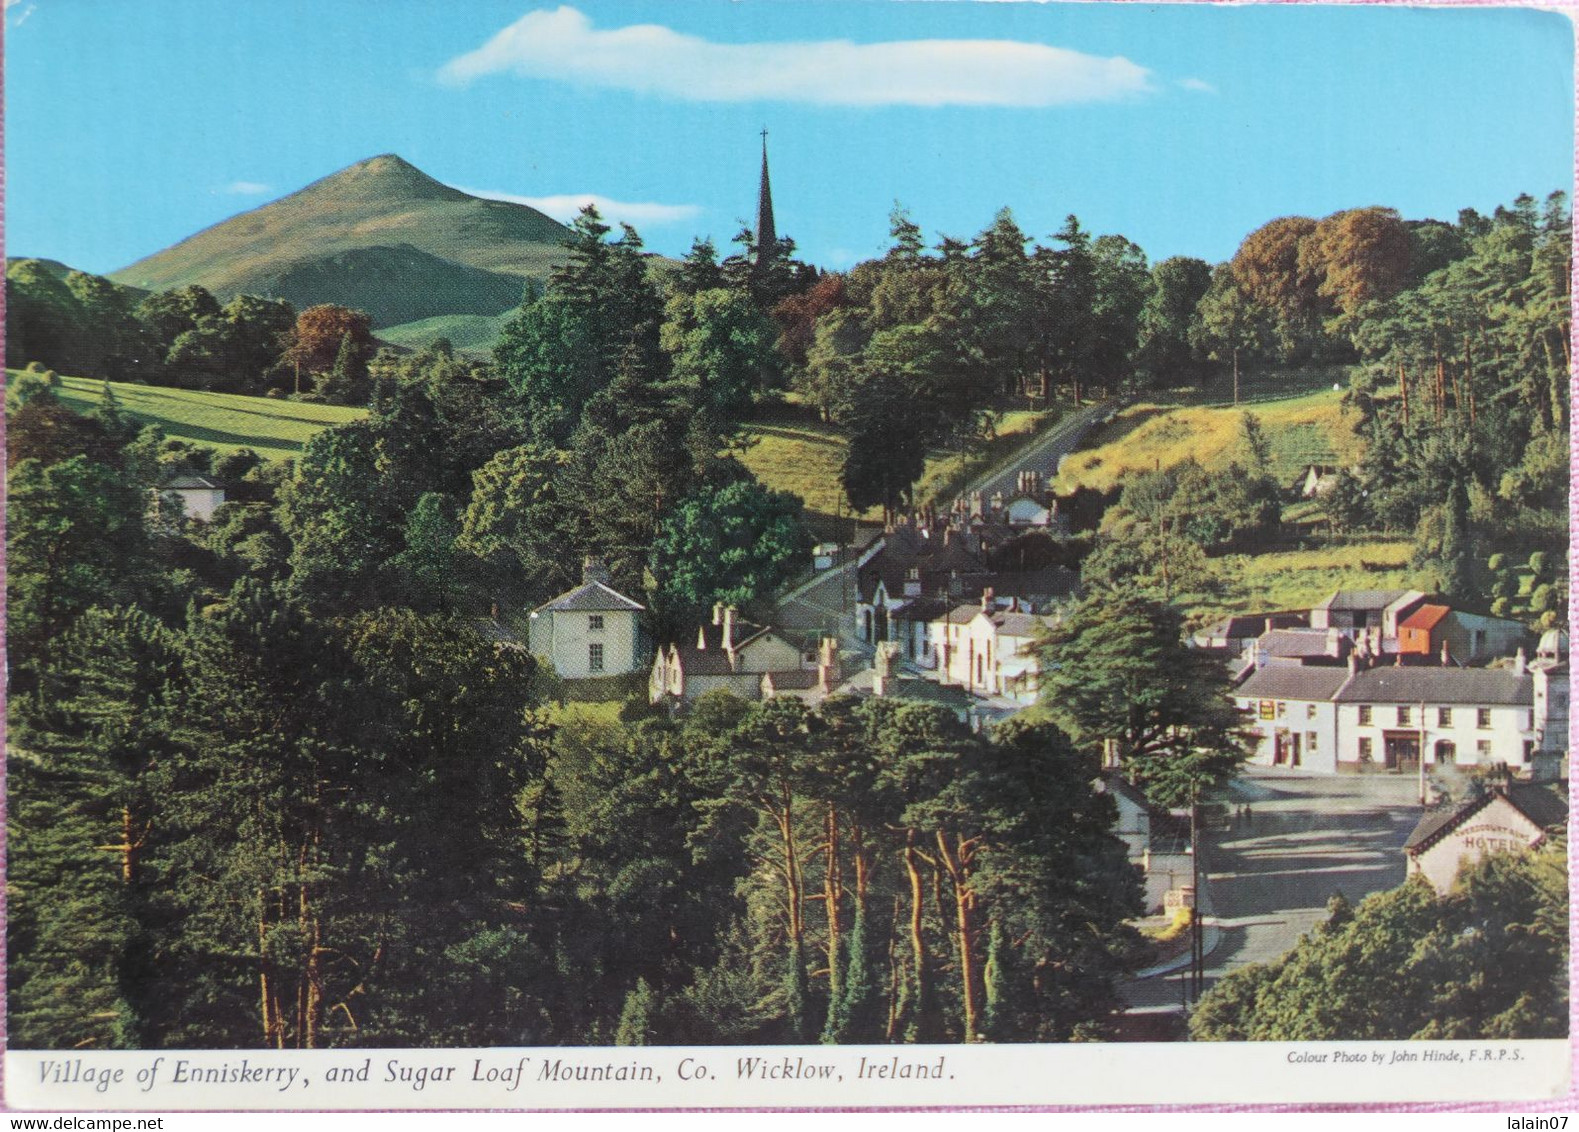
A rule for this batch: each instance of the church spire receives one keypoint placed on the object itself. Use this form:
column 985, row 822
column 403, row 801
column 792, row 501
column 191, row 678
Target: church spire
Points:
column 767, row 234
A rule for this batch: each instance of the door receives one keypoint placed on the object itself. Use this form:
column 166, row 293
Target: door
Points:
column 1402, row 750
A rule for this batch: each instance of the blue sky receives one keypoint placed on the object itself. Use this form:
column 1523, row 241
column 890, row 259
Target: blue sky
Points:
column 132, row 125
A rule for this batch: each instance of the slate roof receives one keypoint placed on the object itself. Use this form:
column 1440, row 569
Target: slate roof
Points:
column 1294, row 682
column 920, row 609
column 1018, row 624
column 1297, row 643
column 963, row 613
column 1362, row 599
column 1545, row 804
column 910, row 688
column 1475, row 686
column 1243, row 625
column 590, row 597
column 191, row 483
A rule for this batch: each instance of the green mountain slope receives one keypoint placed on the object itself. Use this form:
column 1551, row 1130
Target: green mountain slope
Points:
column 383, row 203
column 476, row 333
column 395, row 284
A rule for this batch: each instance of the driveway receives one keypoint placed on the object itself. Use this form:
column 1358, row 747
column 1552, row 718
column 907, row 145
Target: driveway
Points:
column 1270, row 880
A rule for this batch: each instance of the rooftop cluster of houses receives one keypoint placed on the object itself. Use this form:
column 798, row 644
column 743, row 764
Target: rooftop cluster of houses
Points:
column 1381, row 679
column 956, row 598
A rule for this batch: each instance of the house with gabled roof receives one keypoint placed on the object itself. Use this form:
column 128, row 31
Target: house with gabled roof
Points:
column 1507, row 817
column 592, row 630
column 730, row 653
column 1394, row 716
column 1290, row 709
column 199, row 496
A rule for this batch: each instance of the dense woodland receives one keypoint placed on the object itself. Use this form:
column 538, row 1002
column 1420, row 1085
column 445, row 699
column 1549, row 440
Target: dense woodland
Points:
column 271, row 785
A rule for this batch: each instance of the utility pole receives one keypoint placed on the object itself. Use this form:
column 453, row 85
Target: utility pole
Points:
column 1197, row 938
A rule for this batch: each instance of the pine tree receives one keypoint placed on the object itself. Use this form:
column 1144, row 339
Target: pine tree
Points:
column 636, row 1017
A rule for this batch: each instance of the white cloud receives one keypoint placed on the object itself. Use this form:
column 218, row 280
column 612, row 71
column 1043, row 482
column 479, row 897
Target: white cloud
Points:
column 565, row 206
column 1200, row 85
column 650, row 59
column 26, row 12
column 247, row 188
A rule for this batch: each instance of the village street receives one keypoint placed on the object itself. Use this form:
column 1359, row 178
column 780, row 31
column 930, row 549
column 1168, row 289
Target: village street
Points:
column 827, row 602
column 1308, row 838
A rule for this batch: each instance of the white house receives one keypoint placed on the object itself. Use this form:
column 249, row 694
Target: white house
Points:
column 589, row 631
column 1510, row 817
column 1291, row 710
column 199, row 497
column 1391, row 717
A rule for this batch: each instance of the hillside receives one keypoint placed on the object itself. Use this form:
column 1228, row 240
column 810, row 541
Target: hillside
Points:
column 1309, row 429
column 474, row 333
column 396, row 285
column 275, row 429
column 383, row 204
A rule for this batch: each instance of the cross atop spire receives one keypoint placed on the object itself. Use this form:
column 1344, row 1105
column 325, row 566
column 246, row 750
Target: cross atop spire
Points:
column 767, row 234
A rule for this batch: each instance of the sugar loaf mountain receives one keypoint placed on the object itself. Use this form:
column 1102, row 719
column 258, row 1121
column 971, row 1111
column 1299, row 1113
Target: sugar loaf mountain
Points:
column 380, row 236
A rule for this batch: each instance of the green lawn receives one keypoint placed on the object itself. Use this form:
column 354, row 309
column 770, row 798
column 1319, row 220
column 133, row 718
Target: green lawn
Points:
column 792, row 452
column 1312, row 428
column 476, row 333
column 276, row 429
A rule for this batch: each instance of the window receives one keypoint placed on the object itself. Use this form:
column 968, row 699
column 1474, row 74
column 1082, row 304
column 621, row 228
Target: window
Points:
column 1365, row 749
column 1282, row 709
column 1483, row 718
column 595, row 622
column 1445, row 751
column 1483, row 750
column 1444, row 717
column 1310, row 711
column 1405, row 716
column 1310, row 742
column 595, row 657
column 1365, row 718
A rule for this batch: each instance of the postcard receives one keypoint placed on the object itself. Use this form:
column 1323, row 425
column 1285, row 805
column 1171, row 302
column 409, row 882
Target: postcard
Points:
column 631, row 555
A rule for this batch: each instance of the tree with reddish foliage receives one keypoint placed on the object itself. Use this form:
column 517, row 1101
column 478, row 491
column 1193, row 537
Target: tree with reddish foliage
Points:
column 315, row 343
column 1359, row 255
column 797, row 316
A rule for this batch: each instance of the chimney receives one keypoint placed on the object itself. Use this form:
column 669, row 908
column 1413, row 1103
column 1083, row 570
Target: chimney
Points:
column 883, row 668
column 1447, row 657
column 827, row 664
column 718, row 613
column 701, row 638
column 986, row 599
column 593, row 570
column 729, row 628
column 1520, row 662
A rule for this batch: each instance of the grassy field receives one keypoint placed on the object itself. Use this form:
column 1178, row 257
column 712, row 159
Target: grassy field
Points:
column 1309, row 429
column 791, row 451
column 1298, row 579
column 275, row 429
column 475, row 333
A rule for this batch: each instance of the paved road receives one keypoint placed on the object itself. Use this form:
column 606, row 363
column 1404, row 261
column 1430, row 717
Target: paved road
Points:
column 829, row 599
column 1308, row 838
column 1043, row 453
